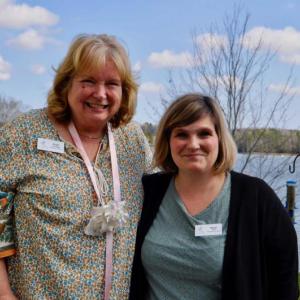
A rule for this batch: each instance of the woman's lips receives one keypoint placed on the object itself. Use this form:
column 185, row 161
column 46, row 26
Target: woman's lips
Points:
column 96, row 105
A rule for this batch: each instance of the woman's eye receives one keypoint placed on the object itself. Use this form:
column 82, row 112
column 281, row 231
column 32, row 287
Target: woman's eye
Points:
column 89, row 81
column 181, row 135
column 204, row 133
column 114, row 83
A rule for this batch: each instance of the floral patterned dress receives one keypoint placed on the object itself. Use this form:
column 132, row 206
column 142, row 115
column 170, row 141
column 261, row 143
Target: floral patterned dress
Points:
column 45, row 203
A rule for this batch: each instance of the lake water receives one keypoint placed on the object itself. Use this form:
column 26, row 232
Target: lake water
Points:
column 274, row 169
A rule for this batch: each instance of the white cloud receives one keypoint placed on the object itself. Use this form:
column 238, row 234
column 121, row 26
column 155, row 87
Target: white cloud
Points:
column 38, row 69
column 167, row 59
column 20, row 16
column 208, row 44
column 281, row 88
column 30, row 40
column 209, row 41
column 293, row 58
column 285, row 41
column 137, row 67
column 151, row 87
column 5, row 69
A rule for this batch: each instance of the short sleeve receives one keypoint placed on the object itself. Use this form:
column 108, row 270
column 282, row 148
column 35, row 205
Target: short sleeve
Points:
column 137, row 146
column 146, row 149
column 9, row 161
column 147, row 152
column 6, row 228
column 11, row 156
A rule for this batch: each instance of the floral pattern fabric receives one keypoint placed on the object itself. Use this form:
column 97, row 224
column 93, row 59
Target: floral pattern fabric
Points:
column 53, row 197
column 6, row 233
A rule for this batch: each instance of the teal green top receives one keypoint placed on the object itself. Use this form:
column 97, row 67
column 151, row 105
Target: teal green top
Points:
column 178, row 264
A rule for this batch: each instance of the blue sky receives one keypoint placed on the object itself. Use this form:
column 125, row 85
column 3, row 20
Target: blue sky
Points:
column 35, row 35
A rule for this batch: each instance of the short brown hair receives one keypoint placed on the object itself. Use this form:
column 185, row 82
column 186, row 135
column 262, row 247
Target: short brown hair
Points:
column 184, row 111
column 86, row 53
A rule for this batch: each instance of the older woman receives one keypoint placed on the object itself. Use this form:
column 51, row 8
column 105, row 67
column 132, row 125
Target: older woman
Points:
column 207, row 232
column 72, row 172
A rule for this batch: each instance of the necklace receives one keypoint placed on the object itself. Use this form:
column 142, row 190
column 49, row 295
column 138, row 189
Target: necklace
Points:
column 90, row 137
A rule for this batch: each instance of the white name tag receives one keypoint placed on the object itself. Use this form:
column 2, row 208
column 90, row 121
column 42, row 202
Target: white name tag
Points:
column 208, row 229
column 50, row 145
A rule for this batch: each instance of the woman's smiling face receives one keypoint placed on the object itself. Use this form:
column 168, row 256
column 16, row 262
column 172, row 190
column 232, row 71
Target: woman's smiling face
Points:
column 95, row 97
column 195, row 147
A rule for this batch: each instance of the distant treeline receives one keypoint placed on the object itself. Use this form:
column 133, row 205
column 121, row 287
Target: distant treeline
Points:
column 269, row 140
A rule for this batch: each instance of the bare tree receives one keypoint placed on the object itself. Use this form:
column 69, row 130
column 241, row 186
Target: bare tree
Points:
column 9, row 109
column 229, row 66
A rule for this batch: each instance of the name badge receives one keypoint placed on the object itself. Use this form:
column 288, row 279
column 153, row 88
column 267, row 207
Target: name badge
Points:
column 50, row 145
column 208, row 229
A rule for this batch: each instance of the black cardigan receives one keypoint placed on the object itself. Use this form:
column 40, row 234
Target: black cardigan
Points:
column 260, row 258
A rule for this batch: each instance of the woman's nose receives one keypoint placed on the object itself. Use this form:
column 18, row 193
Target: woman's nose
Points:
column 194, row 142
column 100, row 91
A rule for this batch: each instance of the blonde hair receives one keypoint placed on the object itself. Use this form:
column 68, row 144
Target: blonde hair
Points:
column 86, row 53
column 184, row 111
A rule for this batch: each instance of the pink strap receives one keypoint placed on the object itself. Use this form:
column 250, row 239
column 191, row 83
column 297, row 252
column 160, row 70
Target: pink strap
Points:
column 108, row 264
column 114, row 165
column 117, row 197
column 117, row 194
column 78, row 143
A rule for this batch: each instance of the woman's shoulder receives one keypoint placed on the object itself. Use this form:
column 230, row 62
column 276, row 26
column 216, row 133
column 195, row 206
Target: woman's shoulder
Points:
column 251, row 190
column 130, row 129
column 19, row 135
column 25, row 123
column 27, row 119
column 243, row 180
column 157, row 179
column 132, row 137
column 155, row 186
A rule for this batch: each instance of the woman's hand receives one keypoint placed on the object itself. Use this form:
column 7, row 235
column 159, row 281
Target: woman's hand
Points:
column 8, row 296
column 5, row 290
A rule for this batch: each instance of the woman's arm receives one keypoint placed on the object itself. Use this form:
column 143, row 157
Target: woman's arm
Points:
column 6, row 243
column 6, row 224
column 10, row 138
column 5, row 290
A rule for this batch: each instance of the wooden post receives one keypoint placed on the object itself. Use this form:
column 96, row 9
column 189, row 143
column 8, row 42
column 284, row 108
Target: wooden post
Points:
column 291, row 198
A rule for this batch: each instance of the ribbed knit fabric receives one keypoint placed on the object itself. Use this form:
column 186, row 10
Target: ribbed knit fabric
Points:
column 179, row 265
